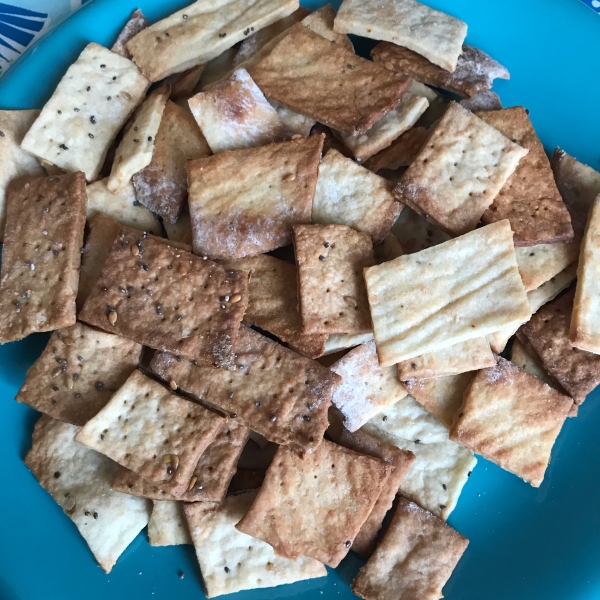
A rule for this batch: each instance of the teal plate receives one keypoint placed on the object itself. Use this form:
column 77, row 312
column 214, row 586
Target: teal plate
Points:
column 526, row 543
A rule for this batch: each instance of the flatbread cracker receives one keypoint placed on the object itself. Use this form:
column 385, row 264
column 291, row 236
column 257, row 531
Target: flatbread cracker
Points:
column 232, row 561
column 310, row 75
column 472, row 288
column 348, row 194
column 414, row 559
column 400, row 153
column 235, row 216
column 167, row 525
column 79, row 481
column 137, row 21
column 530, row 199
column 459, row 171
column 520, row 357
column 366, row 388
column 433, row 34
column 45, row 217
column 331, row 288
column 540, row 263
column 416, row 233
column 86, row 111
column 483, row 101
column 341, row 487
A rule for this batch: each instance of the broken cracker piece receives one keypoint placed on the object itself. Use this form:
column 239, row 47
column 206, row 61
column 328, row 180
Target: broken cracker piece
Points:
column 136, row 22
column 167, row 525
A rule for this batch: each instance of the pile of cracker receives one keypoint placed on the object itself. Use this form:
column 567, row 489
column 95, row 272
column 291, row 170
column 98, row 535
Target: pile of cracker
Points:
column 279, row 282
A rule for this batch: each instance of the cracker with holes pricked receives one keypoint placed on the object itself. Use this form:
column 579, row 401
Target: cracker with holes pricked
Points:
column 459, row 171
column 475, row 70
column 331, row 289
column 414, row 559
column 435, row 35
column 470, row 355
column 167, row 525
column 45, row 217
column 400, row 153
column 416, row 233
column 89, row 106
column 162, row 185
column 154, row 433
column 272, row 390
column 235, row 114
column 134, row 152
column 245, row 202
column 520, row 357
column 167, row 298
column 78, row 372
column 538, row 264
column 348, row 194
column 136, row 22
column 366, row 388
column 483, row 101
column 511, row 418
column 341, row 487
column 231, row 561
column 79, row 481
column 529, row 199
column 461, row 289
column 310, row 75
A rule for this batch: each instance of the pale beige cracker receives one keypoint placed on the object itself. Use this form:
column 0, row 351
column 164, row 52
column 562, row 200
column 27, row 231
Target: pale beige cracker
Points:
column 167, row 525
column 539, row 263
column 231, row 561
column 414, row 559
column 520, row 357
column 400, row 153
column 461, row 289
column 245, row 202
column 416, row 233
column 91, row 103
column 79, row 481
column 136, row 22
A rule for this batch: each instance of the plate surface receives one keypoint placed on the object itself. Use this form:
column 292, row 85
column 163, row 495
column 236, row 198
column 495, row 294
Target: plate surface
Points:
column 525, row 543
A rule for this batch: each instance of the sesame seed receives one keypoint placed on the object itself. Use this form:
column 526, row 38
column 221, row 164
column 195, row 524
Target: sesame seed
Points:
column 76, row 109
column 149, row 138
column 231, row 394
column 91, row 135
column 88, row 88
column 413, row 365
column 417, row 441
column 63, row 147
column 135, row 250
column 257, row 404
column 226, row 569
column 136, row 141
column 222, row 35
column 172, row 384
column 87, row 513
column 1, row 133
column 192, row 482
column 235, row 298
column 348, row 543
column 273, row 419
column 103, row 66
column 442, row 506
column 57, row 474
column 185, row 16
column 321, row 257
column 444, row 486
column 306, row 418
column 54, row 388
column 93, row 120
column 99, row 386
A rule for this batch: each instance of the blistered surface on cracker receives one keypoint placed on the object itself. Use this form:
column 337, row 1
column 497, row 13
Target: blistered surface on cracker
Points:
column 134, row 25
column 400, row 153
column 167, row 525
column 540, row 263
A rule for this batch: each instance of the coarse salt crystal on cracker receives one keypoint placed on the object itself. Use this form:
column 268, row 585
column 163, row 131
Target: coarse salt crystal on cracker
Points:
column 167, row 525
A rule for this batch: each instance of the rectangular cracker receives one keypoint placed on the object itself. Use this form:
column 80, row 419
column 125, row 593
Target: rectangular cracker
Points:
column 530, row 199
column 310, row 75
column 331, row 289
column 459, row 171
column 167, row 298
column 45, row 217
column 89, row 106
column 511, row 418
column 162, row 185
column 244, row 202
column 414, row 559
column 136, row 22
column 435, row 35
column 475, row 70
column 167, row 525
column 14, row 161
column 154, row 433
column 341, row 487
column 540, row 263
column 107, row 520
column 461, row 289
column 366, row 388
column 469, row 355
column 274, row 391
column 349, row 194
column 231, row 561
column 520, row 357
column 400, row 153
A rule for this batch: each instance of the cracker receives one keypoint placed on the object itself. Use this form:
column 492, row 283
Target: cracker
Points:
column 416, row 233
column 244, row 202
column 310, row 75
column 511, row 418
column 167, row 525
column 274, row 391
column 459, row 171
column 135, row 149
column 483, row 101
column 349, row 194
column 461, row 289
column 151, row 431
column 341, row 487
column 14, row 161
column 235, row 114
column 136, row 22
column 162, row 185
column 167, row 298
column 579, row 185
column 366, row 388
column 469, row 355
column 45, row 217
column 400, row 153
column 540, row 263
column 520, row 357
column 331, row 288
column 475, row 70
column 200, row 32
column 530, row 199
column 232, row 561
column 86, row 111
column 414, row 559
column 433, row 34
column 79, row 481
